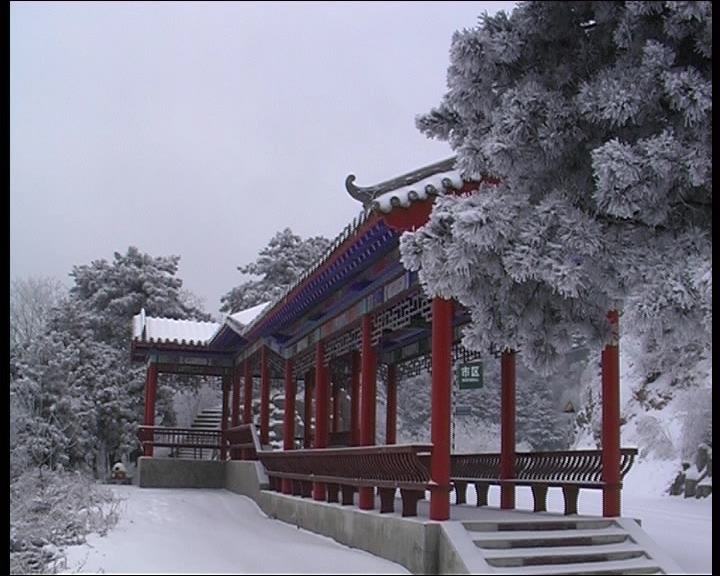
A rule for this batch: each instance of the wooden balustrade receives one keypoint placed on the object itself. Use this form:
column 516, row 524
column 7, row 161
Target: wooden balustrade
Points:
column 386, row 468
column 569, row 470
column 202, row 442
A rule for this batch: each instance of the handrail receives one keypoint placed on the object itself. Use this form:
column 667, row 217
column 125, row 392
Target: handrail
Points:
column 243, row 439
column 560, row 465
column 174, row 438
column 386, row 468
column 392, row 462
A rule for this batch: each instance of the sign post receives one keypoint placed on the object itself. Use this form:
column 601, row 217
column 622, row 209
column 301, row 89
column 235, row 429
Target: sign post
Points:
column 470, row 375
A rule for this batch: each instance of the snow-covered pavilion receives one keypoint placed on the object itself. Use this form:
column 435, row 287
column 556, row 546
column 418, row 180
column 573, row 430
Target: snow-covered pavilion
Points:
column 356, row 316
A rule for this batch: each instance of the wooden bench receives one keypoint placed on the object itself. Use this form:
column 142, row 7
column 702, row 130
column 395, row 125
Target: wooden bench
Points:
column 388, row 468
column 569, row 470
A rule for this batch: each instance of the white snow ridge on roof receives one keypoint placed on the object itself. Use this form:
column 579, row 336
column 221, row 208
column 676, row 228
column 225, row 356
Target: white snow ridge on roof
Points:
column 430, row 186
column 192, row 332
column 246, row 316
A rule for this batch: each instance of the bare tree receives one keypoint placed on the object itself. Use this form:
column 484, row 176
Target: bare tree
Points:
column 30, row 301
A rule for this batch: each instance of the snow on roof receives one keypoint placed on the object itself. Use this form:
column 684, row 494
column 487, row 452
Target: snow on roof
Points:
column 246, row 316
column 169, row 330
column 390, row 195
column 421, row 190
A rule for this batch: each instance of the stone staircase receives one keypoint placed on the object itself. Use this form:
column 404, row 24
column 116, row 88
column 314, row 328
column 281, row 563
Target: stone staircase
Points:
column 207, row 419
column 566, row 546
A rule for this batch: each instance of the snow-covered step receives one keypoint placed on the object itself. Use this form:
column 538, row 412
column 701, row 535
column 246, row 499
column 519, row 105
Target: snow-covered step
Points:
column 539, row 524
column 553, row 555
column 550, row 538
column 632, row 566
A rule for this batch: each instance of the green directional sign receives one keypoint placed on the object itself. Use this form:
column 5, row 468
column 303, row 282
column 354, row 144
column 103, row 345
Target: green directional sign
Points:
column 470, row 375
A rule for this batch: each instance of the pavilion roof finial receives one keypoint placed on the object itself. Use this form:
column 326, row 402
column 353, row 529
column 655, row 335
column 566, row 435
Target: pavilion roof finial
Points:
column 367, row 194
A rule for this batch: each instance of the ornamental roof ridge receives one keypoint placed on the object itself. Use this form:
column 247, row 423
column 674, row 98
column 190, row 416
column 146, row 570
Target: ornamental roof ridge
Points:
column 348, row 231
column 367, row 194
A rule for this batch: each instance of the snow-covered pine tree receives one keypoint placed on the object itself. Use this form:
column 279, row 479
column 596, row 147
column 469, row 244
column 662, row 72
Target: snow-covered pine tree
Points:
column 278, row 265
column 78, row 398
column 597, row 119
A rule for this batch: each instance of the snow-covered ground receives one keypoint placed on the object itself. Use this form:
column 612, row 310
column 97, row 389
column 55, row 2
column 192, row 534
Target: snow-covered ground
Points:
column 193, row 531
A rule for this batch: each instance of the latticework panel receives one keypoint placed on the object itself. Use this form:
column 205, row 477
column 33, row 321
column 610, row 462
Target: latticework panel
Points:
column 303, row 363
column 423, row 364
column 400, row 315
column 342, row 344
column 414, row 367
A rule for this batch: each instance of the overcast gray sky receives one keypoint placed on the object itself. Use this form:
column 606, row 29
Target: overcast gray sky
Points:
column 202, row 129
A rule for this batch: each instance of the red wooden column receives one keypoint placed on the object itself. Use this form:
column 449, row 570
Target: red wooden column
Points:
column 322, row 397
column 247, row 404
column 226, row 383
column 611, row 420
column 235, row 419
column 354, row 398
column 151, row 378
column 289, row 417
column 507, row 427
column 442, row 336
column 368, row 387
column 308, row 411
column 264, row 398
column 391, row 413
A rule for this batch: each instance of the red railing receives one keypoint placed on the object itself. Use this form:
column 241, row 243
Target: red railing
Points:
column 569, row 470
column 192, row 443
column 242, row 442
column 386, row 468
